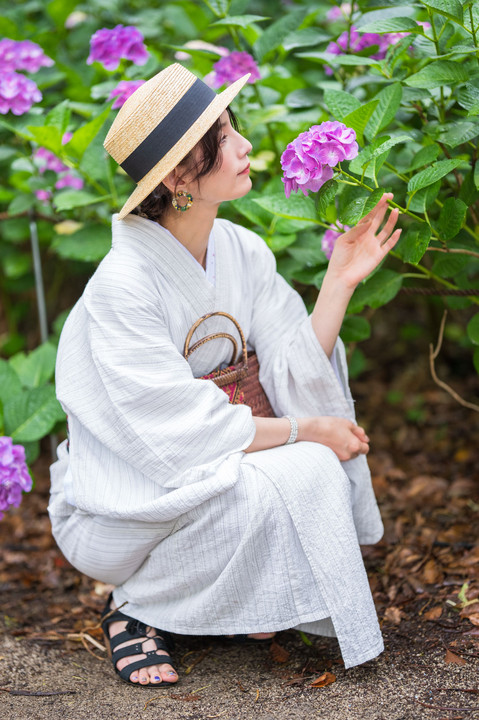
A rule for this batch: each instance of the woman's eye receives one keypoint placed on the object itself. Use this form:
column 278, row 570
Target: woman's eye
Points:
column 223, row 139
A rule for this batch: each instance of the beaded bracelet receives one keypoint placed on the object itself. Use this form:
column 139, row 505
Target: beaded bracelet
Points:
column 294, row 429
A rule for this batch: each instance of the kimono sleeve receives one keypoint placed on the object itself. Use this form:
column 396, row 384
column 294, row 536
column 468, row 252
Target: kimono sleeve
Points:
column 295, row 372
column 121, row 377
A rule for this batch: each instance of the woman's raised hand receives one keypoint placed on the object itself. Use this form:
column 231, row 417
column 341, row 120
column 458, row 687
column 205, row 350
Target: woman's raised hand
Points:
column 359, row 251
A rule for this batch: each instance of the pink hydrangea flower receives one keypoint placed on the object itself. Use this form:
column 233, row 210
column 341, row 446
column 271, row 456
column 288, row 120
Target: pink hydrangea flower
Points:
column 307, row 162
column 123, row 90
column 43, row 195
column 46, row 160
column 22, row 55
column 340, row 12
column 329, row 239
column 14, row 476
column 230, row 68
column 69, row 179
column 109, row 46
column 17, row 93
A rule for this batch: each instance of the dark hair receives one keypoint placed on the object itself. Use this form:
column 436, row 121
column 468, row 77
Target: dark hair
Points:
column 156, row 203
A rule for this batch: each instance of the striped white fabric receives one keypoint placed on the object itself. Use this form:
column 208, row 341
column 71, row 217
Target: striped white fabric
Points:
column 156, row 495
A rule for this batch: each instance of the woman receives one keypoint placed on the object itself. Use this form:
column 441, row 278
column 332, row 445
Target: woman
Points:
column 206, row 519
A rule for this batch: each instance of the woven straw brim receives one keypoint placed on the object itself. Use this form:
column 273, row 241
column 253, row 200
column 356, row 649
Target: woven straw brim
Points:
column 174, row 156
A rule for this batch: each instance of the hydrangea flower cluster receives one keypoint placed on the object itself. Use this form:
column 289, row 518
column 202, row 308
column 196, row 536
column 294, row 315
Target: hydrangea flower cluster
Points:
column 17, row 92
column 329, row 238
column 46, row 160
column 307, row 162
column 123, row 90
column 232, row 67
column 340, row 12
column 14, row 476
column 108, row 47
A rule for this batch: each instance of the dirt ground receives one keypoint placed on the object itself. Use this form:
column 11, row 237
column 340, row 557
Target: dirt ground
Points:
column 424, row 577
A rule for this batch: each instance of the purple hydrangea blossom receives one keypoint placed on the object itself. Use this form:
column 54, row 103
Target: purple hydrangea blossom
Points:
column 17, row 93
column 109, row 46
column 69, row 179
column 22, row 55
column 46, row 160
column 340, row 12
column 329, row 238
column 232, row 67
column 43, row 195
column 123, row 90
column 14, row 476
column 307, row 162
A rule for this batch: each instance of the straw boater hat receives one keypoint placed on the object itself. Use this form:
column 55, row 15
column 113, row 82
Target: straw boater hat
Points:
column 160, row 123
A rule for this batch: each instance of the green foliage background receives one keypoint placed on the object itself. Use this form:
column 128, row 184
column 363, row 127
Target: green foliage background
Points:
column 415, row 114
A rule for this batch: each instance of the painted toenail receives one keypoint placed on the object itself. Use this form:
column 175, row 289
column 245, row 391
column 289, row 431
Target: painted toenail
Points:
column 157, row 677
column 171, row 672
column 135, row 677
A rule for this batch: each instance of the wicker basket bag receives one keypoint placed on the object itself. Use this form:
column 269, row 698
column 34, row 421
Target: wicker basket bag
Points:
column 240, row 380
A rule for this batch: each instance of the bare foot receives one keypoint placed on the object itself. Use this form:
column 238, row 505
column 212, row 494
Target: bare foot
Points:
column 257, row 636
column 152, row 674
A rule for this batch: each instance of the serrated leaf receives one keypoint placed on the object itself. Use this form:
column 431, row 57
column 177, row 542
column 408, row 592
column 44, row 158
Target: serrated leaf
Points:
column 89, row 244
column 47, row 136
column 340, row 103
column 304, row 97
column 240, row 20
column 473, row 329
column 37, row 367
column 437, row 171
column 325, row 196
column 277, row 243
column 305, row 37
column 274, row 35
column 10, row 384
column 358, row 119
column 59, row 116
column 389, row 100
column 421, row 200
column 439, row 73
column 377, row 148
column 468, row 98
column 412, row 246
column 296, row 207
column 358, row 207
column 425, row 156
column 32, row 414
column 377, row 290
column 68, row 199
column 449, row 8
column 451, row 218
column 459, row 133
column 355, row 329
column 391, row 25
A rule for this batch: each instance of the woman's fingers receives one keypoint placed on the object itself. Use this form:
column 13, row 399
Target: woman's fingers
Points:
column 389, row 226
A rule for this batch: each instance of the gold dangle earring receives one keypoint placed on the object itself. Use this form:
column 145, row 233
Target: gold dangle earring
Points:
column 176, row 204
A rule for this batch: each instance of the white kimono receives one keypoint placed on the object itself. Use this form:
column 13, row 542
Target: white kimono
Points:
column 156, row 494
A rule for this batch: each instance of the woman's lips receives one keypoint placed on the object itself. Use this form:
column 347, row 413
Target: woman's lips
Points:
column 245, row 171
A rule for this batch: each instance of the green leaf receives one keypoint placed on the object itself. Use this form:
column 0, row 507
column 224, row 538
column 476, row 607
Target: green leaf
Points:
column 89, row 244
column 377, row 148
column 37, row 367
column 412, row 246
column 340, row 103
column 425, row 156
column 421, row 200
column 305, row 37
column 20, row 203
column 84, row 135
column 468, row 98
column 32, row 414
column 358, row 119
column 449, row 8
column 476, row 174
column 332, row 59
column 218, row 7
column 304, row 97
column 47, row 136
column 377, row 290
column 59, row 116
column 68, row 199
column 240, row 20
column 447, row 265
column 459, row 133
column 274, row 35
column 389, row 100
column 277, row 243
column 325, row 196
column 250, row 210
column 296, row 207
column 437, row 171
column 469, row 192
column 358, row 207
column 10, row 384
column 473, row 329
column 438, row 73
column 451, row 219
column 355, row 328
column 387, row 25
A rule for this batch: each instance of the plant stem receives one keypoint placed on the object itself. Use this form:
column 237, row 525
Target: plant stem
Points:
column 473, row 29
column 436, row 43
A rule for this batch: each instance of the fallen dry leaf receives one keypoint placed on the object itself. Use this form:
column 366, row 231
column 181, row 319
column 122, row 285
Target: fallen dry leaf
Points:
column 474, row 618
column 451, row 657
column 434, row 613
column 325, row 679
column 278, row 653
column 393, row 614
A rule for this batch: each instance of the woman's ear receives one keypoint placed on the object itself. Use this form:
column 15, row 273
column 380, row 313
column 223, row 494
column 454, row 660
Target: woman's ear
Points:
column 174, row 181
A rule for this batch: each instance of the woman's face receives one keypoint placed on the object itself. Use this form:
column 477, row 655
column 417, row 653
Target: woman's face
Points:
column 231, row 180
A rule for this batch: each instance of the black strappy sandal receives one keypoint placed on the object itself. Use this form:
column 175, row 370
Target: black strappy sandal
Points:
column 135, row 629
